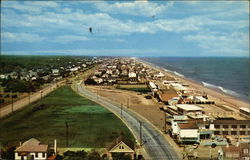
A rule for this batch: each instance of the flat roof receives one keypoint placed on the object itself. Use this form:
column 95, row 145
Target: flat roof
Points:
column 187, row 125
column 245, row 109
column 189, row 107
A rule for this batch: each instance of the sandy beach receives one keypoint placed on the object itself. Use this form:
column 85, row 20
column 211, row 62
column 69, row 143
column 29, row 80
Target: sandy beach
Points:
column 219, row 97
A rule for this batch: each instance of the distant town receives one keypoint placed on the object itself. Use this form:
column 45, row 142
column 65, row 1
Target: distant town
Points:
column 191, row 122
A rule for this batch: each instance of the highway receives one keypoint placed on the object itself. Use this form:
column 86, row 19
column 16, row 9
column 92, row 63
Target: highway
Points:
column 153, row 141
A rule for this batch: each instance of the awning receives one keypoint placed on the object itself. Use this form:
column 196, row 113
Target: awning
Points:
column 205, row 132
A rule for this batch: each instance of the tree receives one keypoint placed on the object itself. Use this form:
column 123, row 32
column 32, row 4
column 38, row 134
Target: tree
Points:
column 121, row 156
column 94, row 155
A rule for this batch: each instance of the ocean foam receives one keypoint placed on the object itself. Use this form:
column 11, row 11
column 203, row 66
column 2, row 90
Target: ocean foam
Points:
column 227, row 91
column 178, row 74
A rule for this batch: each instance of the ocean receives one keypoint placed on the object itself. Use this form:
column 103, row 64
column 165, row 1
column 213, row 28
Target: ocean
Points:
column 227, row 75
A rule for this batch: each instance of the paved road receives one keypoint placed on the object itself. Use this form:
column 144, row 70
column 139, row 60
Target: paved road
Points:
column 29, row 99
column 153, row 141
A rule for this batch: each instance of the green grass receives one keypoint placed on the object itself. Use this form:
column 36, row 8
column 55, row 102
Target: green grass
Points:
column 136, row 88
column 90, row 125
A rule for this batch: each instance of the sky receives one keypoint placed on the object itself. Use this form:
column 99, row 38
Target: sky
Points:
column 128, row 28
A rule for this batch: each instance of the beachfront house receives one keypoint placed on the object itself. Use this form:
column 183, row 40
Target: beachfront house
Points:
column 187, row 133
column 189, row 110
column 32, row 150
column 166, row 95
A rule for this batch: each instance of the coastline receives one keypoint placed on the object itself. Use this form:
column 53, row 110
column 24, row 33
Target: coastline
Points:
column 219, row 97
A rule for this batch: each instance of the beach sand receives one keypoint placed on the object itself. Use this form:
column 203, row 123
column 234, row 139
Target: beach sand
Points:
column 220, row 98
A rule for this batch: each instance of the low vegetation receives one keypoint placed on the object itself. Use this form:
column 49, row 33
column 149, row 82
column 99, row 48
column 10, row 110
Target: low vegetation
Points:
column 89, row 124
column 136, row 88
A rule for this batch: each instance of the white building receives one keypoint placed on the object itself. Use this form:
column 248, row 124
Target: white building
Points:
column 187, row 133
column 32, row 150
column 132, row 75
column 189, row 110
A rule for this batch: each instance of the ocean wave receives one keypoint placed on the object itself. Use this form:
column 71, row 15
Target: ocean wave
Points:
column 178, row 74
column 227, row 91
column 210, row 85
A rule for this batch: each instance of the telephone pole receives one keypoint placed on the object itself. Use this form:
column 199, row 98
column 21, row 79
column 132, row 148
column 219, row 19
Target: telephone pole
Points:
column 67, row 134
column 121, row 110
column 127, row 102
column 165, row 122
column 12, row 103
column 140, row 133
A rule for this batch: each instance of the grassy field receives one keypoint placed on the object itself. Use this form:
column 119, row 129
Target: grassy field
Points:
column 90, row 125
column 137, row 88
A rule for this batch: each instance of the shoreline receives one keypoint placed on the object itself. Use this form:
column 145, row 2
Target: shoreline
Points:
column 216, row 95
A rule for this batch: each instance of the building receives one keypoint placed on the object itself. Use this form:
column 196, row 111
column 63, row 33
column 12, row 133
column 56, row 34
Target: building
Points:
column 187, row 133
column 245, row 112
column 32, row 150
column 121, row 145
column 230, row 127
column 189, row 110
column 238, row 152
column 166, row 95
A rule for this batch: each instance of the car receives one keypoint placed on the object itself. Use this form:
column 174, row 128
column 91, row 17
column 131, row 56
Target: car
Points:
column 195, row 146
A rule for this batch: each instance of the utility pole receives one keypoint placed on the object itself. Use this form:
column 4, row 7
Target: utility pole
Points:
column 29, row 96
column 165, row 122
column 140, row 133
column 67, row 135
column 127, row 102
column 12, row 103
column 41, row 94
column 121, row 110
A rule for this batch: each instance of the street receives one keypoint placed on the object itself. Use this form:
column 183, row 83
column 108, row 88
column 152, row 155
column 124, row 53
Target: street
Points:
column 27, row 100
column 152, row 140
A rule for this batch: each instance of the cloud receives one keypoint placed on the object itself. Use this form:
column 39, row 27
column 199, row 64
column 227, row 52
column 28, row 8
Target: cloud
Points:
column 28, row 6
column 235, row 43
column 20, row 37
column 68, row 38
column 136, row 8
column 94, row 52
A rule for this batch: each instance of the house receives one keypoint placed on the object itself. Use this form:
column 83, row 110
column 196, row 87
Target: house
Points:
column 189, row 110
column 166, row 95
column 132, row 76
column 121, row 145
column 239, row 152
column 55, row 72
column 31, row 149
column 187, row 133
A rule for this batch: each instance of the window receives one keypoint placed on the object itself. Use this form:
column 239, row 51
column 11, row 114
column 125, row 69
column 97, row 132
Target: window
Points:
column 245, row 151
column 32, row 157
column 217, row 132
column 207, row 126
column 36, row 154
column 43, row 154
column 225, row 126
column 233, row 132
column 234, row 126
column 225, row 132
column 217, row 126
column 121, row 147
column 242, row 132
column 22, row 158
column 242, row 126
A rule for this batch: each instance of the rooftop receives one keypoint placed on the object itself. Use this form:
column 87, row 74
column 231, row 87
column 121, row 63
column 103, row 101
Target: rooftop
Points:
column 32, row 145
column 187, row 125
column 188, row 107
